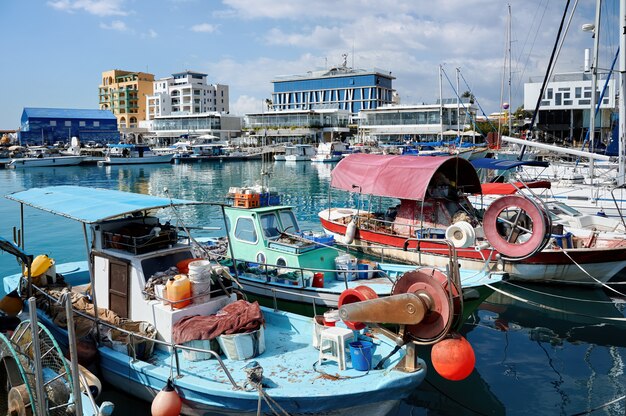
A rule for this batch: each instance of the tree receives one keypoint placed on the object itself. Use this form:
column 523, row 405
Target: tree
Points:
column 468, row 94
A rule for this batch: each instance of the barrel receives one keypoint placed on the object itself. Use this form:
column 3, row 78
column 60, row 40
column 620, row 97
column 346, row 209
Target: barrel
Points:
column 200, row 278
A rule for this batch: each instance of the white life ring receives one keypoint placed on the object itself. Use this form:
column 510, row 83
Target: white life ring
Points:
column 461, row 234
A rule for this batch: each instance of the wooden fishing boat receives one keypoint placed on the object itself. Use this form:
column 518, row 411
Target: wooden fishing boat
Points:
column 143, row 344
column 513, row 235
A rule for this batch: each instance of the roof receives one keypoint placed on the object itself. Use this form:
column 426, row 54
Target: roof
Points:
column 91, row 205
column 497, row 164
column 403, row 177
column 32, row 112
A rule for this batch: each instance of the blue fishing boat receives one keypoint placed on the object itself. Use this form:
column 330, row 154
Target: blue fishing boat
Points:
column 146, row 340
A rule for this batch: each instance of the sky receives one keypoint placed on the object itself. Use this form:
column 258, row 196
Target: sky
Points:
column 54, row 52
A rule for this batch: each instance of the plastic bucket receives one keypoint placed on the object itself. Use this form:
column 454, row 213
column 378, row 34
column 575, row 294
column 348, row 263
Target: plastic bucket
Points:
column 199, row 271
column 361, row 355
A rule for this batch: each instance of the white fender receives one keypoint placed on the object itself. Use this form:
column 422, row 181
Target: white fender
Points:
column 348, row 238
column 461, row 234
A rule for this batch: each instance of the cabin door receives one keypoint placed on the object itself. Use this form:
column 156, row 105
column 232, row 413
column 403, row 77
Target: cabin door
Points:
column 118, row 288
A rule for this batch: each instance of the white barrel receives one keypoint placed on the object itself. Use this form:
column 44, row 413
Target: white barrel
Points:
column 200, row 278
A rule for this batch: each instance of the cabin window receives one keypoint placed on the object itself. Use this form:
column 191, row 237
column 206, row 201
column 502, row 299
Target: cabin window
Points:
column 244, row 230
column 289, row 222
column 270, row 226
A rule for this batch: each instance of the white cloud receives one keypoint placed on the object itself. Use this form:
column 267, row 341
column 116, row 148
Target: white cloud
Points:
column 115, row 25
column 150, row 34
column 95, row 7
column 204, row 28
column 245, row 104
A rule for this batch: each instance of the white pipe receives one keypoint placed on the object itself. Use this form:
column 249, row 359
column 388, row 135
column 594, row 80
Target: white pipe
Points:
column 556, row 149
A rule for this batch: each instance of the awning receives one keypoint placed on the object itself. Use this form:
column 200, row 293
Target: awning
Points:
column 403, row 177
column 91, row 205
column 496, row 188
column 503, row 164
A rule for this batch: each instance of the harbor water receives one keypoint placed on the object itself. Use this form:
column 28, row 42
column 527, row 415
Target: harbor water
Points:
column 540, row 349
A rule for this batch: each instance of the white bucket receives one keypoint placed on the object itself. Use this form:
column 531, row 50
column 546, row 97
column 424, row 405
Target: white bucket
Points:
column 200, row 278
column 243, row 346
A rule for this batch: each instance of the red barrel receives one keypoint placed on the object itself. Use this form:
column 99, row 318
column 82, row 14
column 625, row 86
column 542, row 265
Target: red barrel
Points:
column 318, row 279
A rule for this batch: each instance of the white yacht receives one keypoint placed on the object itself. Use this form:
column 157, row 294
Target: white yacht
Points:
column 297, row 153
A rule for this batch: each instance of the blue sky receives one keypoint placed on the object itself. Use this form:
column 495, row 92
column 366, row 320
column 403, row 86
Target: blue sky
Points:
column 53, row 52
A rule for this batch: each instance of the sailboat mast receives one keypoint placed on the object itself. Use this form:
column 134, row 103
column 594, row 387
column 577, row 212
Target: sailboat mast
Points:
column 622, row 91
column 510, row 61
column 440, row 102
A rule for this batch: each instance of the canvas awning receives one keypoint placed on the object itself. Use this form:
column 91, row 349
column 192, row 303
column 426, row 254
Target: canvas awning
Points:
column 91, row 205
column 496, row 188
column 403, row 177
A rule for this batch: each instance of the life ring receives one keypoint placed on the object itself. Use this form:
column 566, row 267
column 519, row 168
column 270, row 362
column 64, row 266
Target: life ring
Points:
column 514, row 249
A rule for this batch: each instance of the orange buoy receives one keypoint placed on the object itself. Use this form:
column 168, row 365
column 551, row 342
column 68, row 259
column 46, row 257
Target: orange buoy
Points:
column 11, row 304
column 453, row 358
column 167, row 402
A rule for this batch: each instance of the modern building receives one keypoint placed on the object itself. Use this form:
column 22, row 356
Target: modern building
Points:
column 186, row 93
column 341, row 88
column 124, row 93
column 566, row 105
column 297, row 126
column 425, row 122
column 49, row 125
column 166, row 130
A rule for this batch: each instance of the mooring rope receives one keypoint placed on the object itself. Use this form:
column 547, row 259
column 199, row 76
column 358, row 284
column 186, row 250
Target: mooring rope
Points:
column 590, row 276
column 254, row 378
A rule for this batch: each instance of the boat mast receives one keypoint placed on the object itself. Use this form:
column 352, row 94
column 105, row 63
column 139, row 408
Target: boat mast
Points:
column 510, row 61
column 622, row 92
column 440, row 102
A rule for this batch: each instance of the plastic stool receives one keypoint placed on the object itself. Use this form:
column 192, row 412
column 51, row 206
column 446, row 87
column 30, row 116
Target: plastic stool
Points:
column 333, row 345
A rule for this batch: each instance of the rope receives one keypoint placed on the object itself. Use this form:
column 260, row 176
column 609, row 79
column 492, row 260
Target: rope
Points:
column 602, row 406
column 254, row 378
column 550, row 308
column 590, row 276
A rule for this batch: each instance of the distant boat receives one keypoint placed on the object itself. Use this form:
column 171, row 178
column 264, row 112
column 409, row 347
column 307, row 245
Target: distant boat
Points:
column 133, row 154
column 297, row 153
column 329, row 152
column 40, row 156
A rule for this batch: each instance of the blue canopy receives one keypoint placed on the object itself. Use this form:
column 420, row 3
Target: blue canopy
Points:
column 91, row 205
column 498, row 164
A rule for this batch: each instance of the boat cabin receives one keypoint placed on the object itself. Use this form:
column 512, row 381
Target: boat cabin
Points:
column 271, row 235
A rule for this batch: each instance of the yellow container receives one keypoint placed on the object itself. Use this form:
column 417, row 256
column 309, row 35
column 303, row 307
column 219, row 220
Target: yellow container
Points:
column 178, row 289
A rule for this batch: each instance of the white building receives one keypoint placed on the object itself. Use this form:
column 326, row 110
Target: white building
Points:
column 186, row 93
column 566, row 103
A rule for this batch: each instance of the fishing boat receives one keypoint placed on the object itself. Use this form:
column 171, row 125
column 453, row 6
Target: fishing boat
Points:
column 40, row 157
column 297, row 153
column 132, row 154
column 513, row 235
column 272, row 367
column 303, row 270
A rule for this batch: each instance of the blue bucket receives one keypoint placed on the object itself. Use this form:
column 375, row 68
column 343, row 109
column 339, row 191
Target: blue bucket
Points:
column 361, row 355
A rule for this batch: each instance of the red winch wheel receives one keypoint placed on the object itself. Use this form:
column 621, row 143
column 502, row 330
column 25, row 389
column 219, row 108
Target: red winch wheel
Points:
column 358, row 294
column 502, row 244
column 439, row 319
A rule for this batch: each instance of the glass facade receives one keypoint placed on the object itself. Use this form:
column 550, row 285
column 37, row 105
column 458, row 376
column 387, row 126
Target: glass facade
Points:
column 398, row 118
column 188, row 123
column 298, row 120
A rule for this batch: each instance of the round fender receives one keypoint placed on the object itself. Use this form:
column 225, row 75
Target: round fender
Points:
column 358, row 294
column 350, row 232
column 513, row 249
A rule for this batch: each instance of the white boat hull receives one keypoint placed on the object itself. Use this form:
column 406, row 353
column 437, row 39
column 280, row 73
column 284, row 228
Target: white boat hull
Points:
column 137, row 160
column 33, row 162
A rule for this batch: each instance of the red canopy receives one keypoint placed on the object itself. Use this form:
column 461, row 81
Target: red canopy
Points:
column 403, row 177
column 510, row 189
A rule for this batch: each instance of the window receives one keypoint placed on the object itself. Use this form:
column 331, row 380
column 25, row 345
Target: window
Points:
column 587, row 94
column 244, row 230
column 549, row 97
column 96, row 124
column 68, row 123
column 81, row 124
column 578, row 92
column 270, row 226
column 288, row 220
column 53, row 123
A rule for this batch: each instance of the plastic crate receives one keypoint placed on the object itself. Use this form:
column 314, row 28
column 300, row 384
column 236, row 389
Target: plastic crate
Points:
column 140, row 244
column 247, row 201
column 269, row 199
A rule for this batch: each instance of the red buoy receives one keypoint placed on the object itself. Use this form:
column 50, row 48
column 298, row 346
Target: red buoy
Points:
column 453, row 358
column 167, row 402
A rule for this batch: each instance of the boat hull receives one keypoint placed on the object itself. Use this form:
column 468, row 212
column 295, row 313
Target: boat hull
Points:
column 577, row 266
column 33, row 162
column 136, row 160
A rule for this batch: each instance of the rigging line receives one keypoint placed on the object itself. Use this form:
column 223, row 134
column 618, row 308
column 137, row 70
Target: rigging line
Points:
column 585, row 271
column 602, row 406
column 562, row 40
column 545, row 80
column 477, row 103
column 467, row 113
column 532, row 46
column 557, row 296
column 550, row 308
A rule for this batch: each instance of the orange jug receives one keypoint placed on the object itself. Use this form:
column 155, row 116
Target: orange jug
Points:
column 179, row 291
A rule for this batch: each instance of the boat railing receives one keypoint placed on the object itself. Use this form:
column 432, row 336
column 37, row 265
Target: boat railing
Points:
column 133, row 335
column 453, row 264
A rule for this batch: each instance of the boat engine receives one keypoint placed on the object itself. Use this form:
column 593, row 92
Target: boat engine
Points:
column 425, row 304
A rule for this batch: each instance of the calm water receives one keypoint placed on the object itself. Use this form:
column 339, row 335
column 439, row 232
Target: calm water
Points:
column 565, row 359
